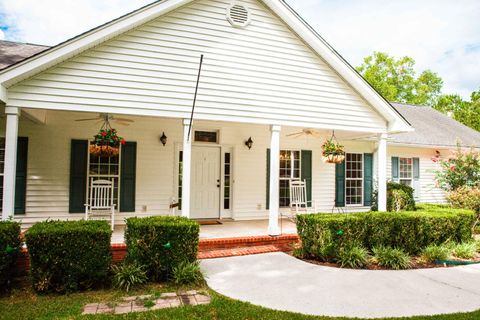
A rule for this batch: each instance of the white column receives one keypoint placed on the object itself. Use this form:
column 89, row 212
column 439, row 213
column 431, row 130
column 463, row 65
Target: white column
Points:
column 273, row 227
column 187, row 165
column 382, row 172
column 11, row 137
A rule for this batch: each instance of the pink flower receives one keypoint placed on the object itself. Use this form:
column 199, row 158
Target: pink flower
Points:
column 453, row 167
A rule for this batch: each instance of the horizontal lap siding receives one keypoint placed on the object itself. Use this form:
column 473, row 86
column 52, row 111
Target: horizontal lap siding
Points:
column 262, row 73
column 429, row 193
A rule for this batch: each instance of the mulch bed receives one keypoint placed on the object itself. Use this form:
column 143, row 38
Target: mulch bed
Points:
column 416, row 263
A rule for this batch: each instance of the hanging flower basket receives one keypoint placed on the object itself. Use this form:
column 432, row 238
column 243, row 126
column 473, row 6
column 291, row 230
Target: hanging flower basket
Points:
column 333, row 152
column 106, row 142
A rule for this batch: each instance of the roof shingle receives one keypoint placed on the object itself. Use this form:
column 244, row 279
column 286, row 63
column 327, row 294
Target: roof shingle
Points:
column 13, row 52
column 433, row 128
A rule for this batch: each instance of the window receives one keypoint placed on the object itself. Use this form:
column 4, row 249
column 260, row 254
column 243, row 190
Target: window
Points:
column 105, row 168
column 289, row 171
column 227, row 181
column 406, row 171
column 2, row 165
column 206, row 136
column 354, row 179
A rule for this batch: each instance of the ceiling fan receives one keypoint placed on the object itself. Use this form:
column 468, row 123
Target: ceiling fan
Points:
column 305, row 132
column 105, row 117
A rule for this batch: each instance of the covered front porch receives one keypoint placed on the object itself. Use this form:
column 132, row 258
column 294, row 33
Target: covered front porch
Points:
column 211, row 174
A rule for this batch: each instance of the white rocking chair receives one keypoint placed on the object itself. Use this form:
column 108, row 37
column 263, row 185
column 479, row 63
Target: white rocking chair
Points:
column 100, row 201
column 298, row 199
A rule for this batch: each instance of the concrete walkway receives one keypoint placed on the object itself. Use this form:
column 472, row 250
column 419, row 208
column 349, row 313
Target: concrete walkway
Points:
column 279, row 281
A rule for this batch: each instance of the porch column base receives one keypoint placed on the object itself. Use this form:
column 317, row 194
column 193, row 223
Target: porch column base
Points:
column 382, row 172
column 10, row 165
column 274, row 203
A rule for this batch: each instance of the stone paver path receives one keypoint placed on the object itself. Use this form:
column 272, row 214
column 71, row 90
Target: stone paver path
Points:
column 137, row 303
column 279, row 281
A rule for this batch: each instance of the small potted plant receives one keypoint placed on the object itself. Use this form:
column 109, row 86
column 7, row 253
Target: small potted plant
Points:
column 333, row 152
column 106, row 143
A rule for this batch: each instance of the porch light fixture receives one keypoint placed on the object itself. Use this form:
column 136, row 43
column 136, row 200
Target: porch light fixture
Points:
column 249, row 143
column 163, row 139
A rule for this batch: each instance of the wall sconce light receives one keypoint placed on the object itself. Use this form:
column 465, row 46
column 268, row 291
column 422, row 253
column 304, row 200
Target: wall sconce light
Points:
column 163, row 139
column 249, row 143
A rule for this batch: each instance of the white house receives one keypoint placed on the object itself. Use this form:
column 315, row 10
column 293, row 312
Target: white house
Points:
column 266, row 75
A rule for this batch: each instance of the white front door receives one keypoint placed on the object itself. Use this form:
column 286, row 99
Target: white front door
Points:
column 205, row 183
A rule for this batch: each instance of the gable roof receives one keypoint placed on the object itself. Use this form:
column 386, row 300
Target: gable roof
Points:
column 13, row 52
column 433, row 128
column 44, row 60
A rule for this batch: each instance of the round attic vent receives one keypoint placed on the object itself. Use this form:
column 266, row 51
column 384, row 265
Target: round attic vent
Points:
column 238, row 15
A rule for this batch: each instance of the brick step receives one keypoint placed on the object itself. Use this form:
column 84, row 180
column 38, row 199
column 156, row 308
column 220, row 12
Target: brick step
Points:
column 240, row 242
column 241, row 251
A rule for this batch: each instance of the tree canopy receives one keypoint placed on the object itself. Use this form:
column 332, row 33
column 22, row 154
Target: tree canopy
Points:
column 396, row 80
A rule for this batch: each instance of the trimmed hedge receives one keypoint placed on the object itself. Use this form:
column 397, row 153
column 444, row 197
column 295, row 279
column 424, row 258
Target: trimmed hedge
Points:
column 161, row 244
column 9, row 247
column 67, row 256
column 323, row 235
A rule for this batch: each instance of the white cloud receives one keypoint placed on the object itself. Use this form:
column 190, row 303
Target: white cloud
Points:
column 52, row 21
column 2, row 35
column 441, row 35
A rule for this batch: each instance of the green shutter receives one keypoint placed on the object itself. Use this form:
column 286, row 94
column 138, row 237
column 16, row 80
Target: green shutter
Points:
column 128, row 176
column 268, row 180
column 340, row 184
column 367, row 179
column 395, row 168
column 21, row 176
column 306, row 158
column 78, row 176
column 416, row 168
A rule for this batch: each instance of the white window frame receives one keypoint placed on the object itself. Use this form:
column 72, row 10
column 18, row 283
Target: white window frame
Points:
column 292, row 167
column 107, row 176
column 405, row 179
column 362, row 179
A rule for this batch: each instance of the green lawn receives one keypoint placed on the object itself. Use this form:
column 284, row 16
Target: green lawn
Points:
column 24, row 304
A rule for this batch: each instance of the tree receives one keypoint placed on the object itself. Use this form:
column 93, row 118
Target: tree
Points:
column 466, row 112
column 396, row 79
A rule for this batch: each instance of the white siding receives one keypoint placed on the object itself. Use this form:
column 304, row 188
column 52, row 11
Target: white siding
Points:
column 49, row 164
column 429, row 193
column 261, row 74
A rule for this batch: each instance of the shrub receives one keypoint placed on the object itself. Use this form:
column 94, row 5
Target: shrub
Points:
column 399, row 197
column 465, row 198
column 461, row 169
column 436, row 252
column 466, row 250
column 324, row 234
column 67, row 256
column 187, row 273
column 9, row 248
column 161, row 243
column 128, row 275
column 392, row 258
column 353, row 256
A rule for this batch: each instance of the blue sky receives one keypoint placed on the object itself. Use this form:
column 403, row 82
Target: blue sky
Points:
column 441, row 35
